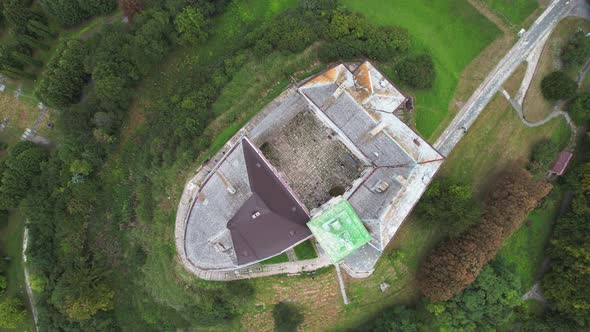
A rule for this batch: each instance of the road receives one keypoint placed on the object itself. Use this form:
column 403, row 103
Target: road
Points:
column 493, row 82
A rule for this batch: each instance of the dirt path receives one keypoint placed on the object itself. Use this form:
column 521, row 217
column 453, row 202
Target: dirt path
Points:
column 483, row 9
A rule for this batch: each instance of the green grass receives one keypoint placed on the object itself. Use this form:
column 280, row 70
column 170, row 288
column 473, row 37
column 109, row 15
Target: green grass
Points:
column 452, row 31
column 525, row 248
column 282, row 258
column 513, row 11
column 305, row 251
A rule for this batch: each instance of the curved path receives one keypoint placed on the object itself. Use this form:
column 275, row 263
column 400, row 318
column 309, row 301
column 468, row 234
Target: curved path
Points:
column 493, row 82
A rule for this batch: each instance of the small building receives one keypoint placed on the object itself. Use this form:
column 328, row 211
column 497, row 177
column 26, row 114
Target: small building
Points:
column 339, row 230
column 561, row 164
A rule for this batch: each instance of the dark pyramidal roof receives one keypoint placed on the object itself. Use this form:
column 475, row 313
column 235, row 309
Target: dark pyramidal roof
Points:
column 271, row 220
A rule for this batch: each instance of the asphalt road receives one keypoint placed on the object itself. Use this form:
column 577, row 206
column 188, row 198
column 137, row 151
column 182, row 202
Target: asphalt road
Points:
column 493, row 82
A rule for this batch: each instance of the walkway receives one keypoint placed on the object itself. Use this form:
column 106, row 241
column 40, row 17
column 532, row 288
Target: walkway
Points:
column 28, row 280
column 492, row 84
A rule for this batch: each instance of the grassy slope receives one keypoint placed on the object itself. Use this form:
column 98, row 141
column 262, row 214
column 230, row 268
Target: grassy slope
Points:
column 452, row 31
column 513, row 11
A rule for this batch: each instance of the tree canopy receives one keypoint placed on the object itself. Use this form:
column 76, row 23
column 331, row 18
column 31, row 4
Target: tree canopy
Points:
column 455, row 264
column 64, row 78
column 417, row 71
column 558, row 85
column 577, row 50
column 449, row 203
column 21, row 166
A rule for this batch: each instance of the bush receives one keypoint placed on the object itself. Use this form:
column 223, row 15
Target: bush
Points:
column 287, row 317
column 558, row 85
column 417, row 72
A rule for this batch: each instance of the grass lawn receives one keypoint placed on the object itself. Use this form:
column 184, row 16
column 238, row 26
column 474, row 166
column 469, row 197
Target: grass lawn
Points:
column 535, row 106
column 282, row 258
column 305, row 251
column 11, row 237
column 497, row 137
column 454, row 32
column 514, row 12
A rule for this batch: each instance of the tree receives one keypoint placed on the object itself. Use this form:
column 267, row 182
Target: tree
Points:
column 577, row 50
column 579, row 108
column 558, row 85
column 21, row 166
column 485, row 306
column 12, row 313
column 287, row 317
column 542, row 156
column 38, row 282
column 417, row 72
column 131, row 7
column 67, row 12
column 190, row 25
column 449, row 203
column 399, row 319
column 62, row 82
column 98, row 7
column 567, row 284
column 81, row 293
column 455, row 264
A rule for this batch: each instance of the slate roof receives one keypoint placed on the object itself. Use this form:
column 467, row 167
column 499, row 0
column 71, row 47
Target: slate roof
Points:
column 222, row 232
column 360, row 104
column 272, row 219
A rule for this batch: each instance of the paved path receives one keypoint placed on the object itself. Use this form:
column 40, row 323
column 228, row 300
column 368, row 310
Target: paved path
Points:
column 486, row 91
column 535, row 293
column 341, row 284
column 28, row 280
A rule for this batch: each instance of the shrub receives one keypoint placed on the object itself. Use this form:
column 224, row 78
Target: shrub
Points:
column 417, row 72
column 558, row 85
column 287, row 317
